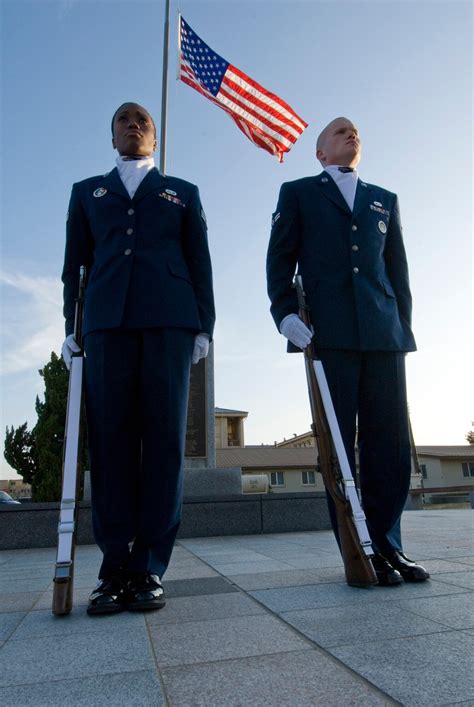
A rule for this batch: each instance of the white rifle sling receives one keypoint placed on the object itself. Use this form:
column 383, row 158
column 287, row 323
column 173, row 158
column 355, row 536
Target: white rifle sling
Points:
column 71, row 447
column 347, row 478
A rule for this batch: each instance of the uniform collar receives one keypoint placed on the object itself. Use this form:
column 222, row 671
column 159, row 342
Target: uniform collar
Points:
column 329, row 188
column 153, row 180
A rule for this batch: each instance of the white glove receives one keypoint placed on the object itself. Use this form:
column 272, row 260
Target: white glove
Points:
column 201, row 347
column 69, row 347
column 296, row 331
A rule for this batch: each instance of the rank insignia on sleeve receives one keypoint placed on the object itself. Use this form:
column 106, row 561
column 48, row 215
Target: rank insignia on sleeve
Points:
column 101, row 191
column 275, row 218
column 203, row 216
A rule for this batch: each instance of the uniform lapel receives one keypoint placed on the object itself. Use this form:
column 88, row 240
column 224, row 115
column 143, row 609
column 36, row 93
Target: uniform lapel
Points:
column 153, row 180
column 328, row 187
column 362, row 197
column 114, row 184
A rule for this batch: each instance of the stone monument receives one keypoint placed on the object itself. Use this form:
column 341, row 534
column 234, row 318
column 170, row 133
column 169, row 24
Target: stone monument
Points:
column 202, row 478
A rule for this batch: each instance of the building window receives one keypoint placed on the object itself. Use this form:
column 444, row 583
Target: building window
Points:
column 277, row 478
column 308, row 478
column 468, row 469
column 424, row 473
column 233, row 430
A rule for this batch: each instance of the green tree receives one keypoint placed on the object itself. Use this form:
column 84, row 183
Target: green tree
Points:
column 20, row 451
column 37, row 455
column 470, row 437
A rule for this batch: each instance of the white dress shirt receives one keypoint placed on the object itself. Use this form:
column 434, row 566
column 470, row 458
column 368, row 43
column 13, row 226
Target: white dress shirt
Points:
column 346, row 181
column 132, row 171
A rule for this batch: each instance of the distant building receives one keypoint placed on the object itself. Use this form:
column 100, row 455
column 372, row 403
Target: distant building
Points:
column 229, row 427
column 447, row 466
column 290, row 470
column 307, row 439
column 291, row 464
column 17, row 488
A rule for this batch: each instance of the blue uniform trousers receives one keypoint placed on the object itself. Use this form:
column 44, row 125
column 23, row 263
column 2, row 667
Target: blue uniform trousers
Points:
column 368, row 389
column 136, row 385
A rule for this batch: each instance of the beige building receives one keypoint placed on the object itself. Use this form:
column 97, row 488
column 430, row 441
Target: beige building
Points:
column 291, row 470
column 229, row 427
column 290, row 464
column 443, row 467
column 305, row 440
column 17, row 488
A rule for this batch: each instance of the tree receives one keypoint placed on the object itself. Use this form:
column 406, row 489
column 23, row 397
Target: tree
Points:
column 470, row 437
column 37, row 455
column 20, row 451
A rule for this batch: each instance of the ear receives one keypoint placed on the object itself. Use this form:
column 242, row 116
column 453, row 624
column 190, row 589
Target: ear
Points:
column 320, row 155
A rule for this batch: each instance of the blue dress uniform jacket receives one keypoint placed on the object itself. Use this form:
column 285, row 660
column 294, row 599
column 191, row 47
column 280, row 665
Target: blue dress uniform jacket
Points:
column 355, row 276
column 147, row 258
column 353, row 265
column 149, row 291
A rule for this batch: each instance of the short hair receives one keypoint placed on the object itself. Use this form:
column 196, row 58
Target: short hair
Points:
column 323, row 133
column 126, row 104
column 320, row 139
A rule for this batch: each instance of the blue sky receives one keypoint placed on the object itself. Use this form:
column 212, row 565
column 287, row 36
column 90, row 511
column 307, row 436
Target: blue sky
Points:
column 402, row 71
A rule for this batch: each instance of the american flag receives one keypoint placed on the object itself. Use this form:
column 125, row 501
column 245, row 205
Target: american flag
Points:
column 264, row 118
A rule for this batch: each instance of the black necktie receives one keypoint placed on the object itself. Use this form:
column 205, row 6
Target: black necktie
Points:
column 346, row 169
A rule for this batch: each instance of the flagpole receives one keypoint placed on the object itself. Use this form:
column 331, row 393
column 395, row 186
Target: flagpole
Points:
column 164, row 89
column 178, row 65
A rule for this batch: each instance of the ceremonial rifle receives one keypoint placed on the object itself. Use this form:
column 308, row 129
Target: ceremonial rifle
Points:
column 355, row 543
column 64, row 570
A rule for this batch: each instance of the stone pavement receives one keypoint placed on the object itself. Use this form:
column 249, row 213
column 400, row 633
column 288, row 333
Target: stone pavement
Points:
column 250, row 620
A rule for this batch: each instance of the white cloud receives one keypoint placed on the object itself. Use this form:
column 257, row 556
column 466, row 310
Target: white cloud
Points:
column 33, row 324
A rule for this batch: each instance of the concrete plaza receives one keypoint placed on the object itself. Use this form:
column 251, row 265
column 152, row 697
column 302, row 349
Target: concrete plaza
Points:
column 250, row 620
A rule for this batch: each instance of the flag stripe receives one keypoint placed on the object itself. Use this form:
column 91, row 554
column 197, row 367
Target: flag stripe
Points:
column 260, row 93
column 259, row 109
column 264, row 118
column 267, row 145
column 253, row 118
column 241, row 115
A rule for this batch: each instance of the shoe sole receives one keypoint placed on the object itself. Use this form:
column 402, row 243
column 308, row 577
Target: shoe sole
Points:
column 149, row 606
column 395, row 583
column 102, row 611
column 416, row 579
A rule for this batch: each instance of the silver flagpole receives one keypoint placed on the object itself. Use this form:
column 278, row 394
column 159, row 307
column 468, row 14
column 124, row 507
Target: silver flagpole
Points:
column 164, row 90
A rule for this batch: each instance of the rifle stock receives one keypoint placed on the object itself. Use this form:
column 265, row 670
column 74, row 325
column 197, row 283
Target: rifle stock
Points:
column 355, row 555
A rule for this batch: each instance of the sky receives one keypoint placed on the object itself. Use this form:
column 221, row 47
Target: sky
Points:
column 401, row 71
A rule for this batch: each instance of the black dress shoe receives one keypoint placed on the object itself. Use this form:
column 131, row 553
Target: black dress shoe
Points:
column 387, row 575
column 145, row 592
column 109, row 597
column 410, row 571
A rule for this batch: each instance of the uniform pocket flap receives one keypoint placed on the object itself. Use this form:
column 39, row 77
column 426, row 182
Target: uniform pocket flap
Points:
column 179, row 270
column 388, row 289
